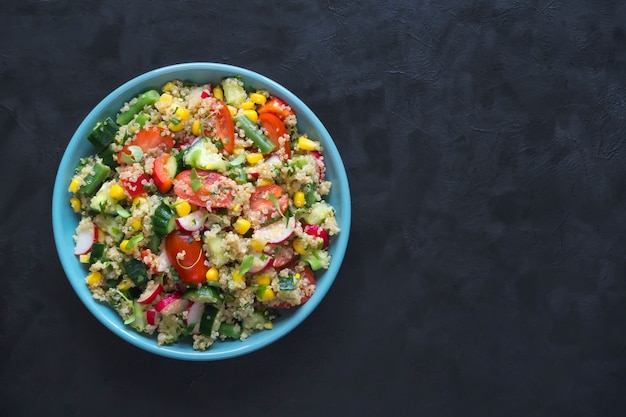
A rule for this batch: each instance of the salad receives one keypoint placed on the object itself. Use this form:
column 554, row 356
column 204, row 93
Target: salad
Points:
column 202, row 212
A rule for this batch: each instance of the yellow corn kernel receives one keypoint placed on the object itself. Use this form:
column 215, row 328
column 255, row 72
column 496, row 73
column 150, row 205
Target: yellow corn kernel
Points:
column 175, row 127
column 94, row 278
column 263, row 182
column 123, row 245
column 101, row 235
column 268, row 325
column 254, row 158
column 247, row 105
column 166, row 98
column 85, row 258
column 181, row 113
column 263, row 279
column 169, row 86
column 135, row 224
column 252, row 115
column 307, row 144
column 241, row 226
column 266, row 294
column 125, row 284
column 299, row 246
column 298, row 199
column 195, row 127
column 212, row 274
column 258, row 98
column 232, row 110
column 238, row 277
column 218, row 93
column 117, row 192
column 257, row 245
column 238, row 150
column 138, row 201
column 183, row 208
column 74, row 184
column 75, row 204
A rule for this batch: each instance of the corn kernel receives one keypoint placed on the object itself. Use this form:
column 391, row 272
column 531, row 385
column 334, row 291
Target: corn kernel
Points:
column 237, row 277
column 101, row 235
column 75, row 204
column 218, row 93
column 84, row 258
column 183, row 208
column 266, row 294
column 258, row 98
column 247, row 105
column 181, row 113
column 307, row 144
column 175, row 127
column 232, row 110
column 254, row 158
column 135, row 224
column 195, row 127
column 169, row 86
column 252, row 115
column 212, row 274
column 74, row 184
column 298, row 199
column 261, row 182
column 268, row 325
column 166, row 98
column 241, row 226
column 123, row 245
column 299, row 246
column 138, row 201
column 94, row 278
column 257, row 245
column 117, row 192
column 125, row 284
column 238, row 150
column 263, row 279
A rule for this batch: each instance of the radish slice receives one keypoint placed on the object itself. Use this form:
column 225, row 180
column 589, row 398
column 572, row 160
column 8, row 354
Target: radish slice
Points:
column 276, row 232
column 152, row 317
column 317, row 231
column 193, row 221
column 85, row 239
column 194, row 315
column 260, row 263
column 153, row 289
column 171, row 304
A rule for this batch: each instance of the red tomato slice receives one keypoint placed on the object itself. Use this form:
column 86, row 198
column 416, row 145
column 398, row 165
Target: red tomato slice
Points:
column 214, row 190
column 137, row 187
column 161, row 173
column 224, row 126
column 308, row 278
column 261, row 203
column 278, row 107
column 191, row 266
column 148, row 139
column 275, row 129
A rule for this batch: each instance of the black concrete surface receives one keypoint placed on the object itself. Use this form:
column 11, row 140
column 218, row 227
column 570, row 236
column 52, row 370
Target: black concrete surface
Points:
column 484, row 144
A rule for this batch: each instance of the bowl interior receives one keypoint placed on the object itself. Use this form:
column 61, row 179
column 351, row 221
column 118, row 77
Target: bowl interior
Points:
column 65, row 220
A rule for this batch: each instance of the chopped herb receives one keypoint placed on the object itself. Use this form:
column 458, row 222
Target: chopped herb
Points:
column 246, row 264
column 238, row 160
column 196, row 181
column 133, row 241
column 174, row 121
column 136, row 153
column 122, row 212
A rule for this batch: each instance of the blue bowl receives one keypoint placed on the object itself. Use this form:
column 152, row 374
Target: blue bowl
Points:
column 64, row 220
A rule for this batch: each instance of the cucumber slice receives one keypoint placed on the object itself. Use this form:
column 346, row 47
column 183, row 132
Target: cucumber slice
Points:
column 102, row 202
column 103, row 133
column 234, row 92
column 205, row 294
column 136, row 271
column 209, row 322
column 163, row 220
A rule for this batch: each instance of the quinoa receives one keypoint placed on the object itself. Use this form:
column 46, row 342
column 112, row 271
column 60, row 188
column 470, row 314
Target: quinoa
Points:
column 220, row 247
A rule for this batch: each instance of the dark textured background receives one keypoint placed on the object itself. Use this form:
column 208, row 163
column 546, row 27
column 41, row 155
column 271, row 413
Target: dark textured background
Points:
column 484, row 144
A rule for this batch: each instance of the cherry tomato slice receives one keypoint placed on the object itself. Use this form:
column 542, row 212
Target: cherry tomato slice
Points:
column 278, row 107
column 191, row 266
column 224, row 126
column 213, row 190
column 137, row 187
column 161, row 175
column 307, row 277
column 148, row 139
column 275, row 129
column 261, row 203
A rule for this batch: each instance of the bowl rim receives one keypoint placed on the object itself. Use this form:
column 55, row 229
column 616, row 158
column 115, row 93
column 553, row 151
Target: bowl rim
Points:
column 70, row 264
